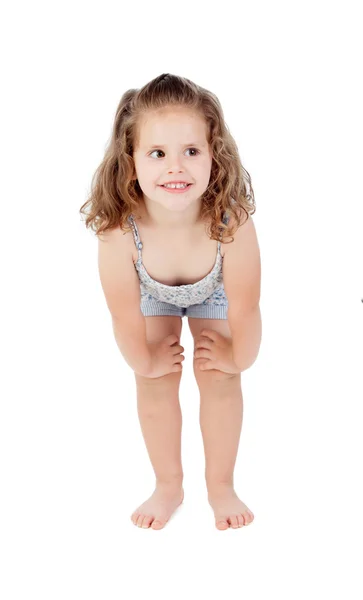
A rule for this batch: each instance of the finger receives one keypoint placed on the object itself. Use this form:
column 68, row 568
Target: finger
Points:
column 203, row 343
column 210, row 333
column 177, row 349
column 203, row 353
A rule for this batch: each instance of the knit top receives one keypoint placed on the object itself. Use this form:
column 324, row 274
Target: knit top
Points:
column 179, row 295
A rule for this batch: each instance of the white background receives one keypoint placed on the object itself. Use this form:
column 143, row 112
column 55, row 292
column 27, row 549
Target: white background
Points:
column 73, row 464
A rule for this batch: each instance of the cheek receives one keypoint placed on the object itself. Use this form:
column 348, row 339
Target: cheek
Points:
column 149, row 176
column 205, row 169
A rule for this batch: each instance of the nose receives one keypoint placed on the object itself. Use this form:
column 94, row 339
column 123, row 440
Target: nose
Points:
column 175, row 164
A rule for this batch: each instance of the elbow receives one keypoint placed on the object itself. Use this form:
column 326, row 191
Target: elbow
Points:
column 246, row 339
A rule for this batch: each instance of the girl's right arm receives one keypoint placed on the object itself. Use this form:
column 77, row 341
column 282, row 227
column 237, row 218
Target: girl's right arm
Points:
column 121, row 287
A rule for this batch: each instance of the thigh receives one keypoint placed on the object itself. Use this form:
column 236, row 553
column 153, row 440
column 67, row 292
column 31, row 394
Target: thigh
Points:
column 219, row 325
column 158, row 328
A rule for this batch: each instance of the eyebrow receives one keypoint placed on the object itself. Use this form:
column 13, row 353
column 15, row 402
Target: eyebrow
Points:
column 191, row 144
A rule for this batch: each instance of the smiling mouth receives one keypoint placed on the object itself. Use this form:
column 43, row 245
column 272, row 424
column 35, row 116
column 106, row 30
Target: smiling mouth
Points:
column 172, row 188
column 177, row 190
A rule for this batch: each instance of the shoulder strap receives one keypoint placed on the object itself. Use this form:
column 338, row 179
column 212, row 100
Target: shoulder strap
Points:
column 136, row 235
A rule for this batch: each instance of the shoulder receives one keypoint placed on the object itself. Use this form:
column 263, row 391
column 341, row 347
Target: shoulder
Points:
column 117, row 239
column 242, row 268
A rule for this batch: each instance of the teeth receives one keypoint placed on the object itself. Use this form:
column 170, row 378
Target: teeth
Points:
column 176, row 185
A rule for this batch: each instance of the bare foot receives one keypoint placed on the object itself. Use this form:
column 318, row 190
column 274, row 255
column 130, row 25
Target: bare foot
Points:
column 157, row 510
column 229, row 510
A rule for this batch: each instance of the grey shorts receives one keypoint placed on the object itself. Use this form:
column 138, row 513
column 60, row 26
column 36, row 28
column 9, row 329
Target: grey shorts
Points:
column 213, row 307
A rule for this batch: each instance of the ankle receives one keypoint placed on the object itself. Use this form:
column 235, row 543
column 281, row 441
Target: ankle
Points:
column 171, row 483
column 218, row 486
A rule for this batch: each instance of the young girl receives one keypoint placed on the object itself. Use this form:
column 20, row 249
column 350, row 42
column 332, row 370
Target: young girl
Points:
column 170, row 186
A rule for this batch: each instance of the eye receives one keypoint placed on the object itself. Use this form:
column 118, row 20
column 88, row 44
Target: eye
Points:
column 151, row 153
column 194, row 149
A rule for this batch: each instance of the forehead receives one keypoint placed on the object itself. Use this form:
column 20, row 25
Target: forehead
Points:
column 169, row 125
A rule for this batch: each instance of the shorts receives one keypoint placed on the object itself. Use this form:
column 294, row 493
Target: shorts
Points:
column 213, row 307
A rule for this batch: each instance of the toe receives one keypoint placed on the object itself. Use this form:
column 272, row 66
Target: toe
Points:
column 146, row 522
column 248, row 517
column 222, row 523
column 134, row 518
column 234, row 522
column 241, row 520
column 158, row 524
column 140, row 520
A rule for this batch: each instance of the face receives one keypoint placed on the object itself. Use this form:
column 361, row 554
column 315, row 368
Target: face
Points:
column 180, row 153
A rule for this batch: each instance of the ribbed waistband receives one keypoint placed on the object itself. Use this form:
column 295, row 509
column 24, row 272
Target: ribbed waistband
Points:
column 151, row 308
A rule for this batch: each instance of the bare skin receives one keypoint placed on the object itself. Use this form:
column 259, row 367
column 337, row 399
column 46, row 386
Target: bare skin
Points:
column 158, row 402
column 229, row 510
column 156, row 511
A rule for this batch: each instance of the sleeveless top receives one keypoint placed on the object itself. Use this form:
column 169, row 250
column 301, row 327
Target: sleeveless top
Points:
column 179, row 295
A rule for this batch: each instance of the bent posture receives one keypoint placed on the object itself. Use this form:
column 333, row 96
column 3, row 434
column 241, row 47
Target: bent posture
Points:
column 170, row 192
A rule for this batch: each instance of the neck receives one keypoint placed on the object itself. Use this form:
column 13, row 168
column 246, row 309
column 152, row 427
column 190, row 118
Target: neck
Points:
column 154, row 215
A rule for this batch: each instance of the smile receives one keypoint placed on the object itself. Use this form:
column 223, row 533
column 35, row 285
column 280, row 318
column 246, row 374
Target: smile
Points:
column 176, row 190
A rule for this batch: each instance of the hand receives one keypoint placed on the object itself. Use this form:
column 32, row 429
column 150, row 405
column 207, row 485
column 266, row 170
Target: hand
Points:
column 166, row 357
column 217, row 349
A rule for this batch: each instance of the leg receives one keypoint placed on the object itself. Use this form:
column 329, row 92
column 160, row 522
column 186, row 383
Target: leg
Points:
column 161, row 422
column 221, row 415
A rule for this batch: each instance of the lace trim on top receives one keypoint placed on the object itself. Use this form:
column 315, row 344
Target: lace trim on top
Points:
column 180, row 295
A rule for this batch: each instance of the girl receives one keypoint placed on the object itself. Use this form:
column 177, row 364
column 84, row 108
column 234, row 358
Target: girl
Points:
column 170, row 186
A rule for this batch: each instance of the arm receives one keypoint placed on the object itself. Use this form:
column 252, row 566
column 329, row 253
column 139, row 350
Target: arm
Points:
column 130, row 337
column 242, row 283
column 121, row 288
column 246, row 330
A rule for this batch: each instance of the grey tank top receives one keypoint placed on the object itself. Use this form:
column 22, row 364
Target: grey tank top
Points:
column 179, row 295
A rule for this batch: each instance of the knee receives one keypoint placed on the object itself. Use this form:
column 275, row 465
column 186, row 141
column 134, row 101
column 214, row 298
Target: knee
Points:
column 212, row 376
column 168, row 380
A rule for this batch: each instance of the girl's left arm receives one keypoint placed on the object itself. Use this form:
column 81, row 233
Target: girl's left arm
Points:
column 246, row 329
column 242, row 284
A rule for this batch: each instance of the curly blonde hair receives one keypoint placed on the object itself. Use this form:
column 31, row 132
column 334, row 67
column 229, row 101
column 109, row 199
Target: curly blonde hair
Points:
column 116, row 194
